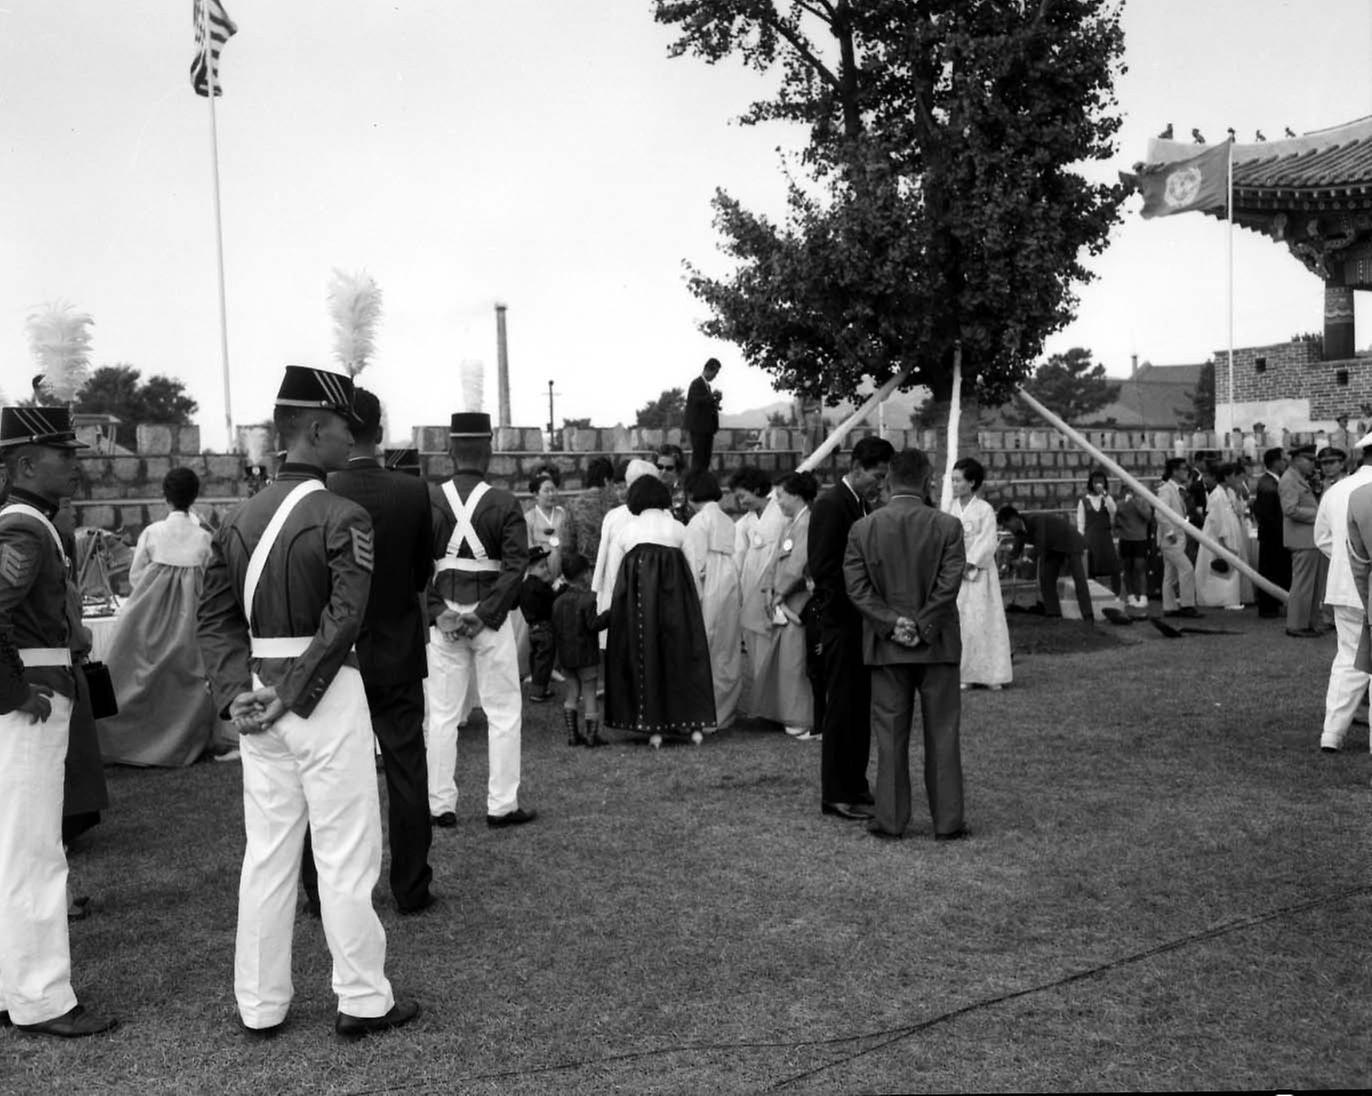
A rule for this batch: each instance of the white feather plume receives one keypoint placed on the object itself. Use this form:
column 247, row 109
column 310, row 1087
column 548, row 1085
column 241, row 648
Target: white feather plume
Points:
column 355, row 308
column 60, row 340
column 473, row 377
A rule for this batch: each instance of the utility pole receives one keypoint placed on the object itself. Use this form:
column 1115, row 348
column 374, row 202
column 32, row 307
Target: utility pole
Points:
column 552, row 427
column 502, row 350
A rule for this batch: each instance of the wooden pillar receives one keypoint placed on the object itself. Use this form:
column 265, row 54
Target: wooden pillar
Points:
column 1338, row 318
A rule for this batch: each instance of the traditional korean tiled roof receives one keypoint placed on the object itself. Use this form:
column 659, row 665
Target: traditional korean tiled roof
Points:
column 1329, row 163
column 1154, row 398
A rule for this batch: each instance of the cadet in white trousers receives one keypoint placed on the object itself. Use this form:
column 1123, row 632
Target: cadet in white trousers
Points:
column 1347, row 684
column 283, row 667
column 481, row 552
column 36, row 690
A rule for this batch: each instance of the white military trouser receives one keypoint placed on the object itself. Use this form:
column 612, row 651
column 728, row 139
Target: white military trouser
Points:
column 35, row 959
column 1347, row 685
column 491, row 657
column 317, row 771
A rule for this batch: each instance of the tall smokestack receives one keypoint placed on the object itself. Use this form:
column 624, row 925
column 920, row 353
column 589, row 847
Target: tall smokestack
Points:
column 1133, row 365
column 502, row 365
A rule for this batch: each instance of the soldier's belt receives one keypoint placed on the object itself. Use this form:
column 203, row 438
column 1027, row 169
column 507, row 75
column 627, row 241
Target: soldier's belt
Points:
column 33, row 657
column 462, row 563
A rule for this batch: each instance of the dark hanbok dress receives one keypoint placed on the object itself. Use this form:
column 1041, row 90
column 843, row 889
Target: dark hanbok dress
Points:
column 657, row 657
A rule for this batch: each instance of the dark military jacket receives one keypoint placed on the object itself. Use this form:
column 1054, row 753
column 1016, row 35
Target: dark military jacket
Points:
column 315, row 583
column 33, row 602
column 500, row 526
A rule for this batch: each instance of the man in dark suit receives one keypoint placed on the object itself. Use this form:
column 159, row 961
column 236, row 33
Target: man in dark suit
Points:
column 1058, row 546
column 903, row 568
column 845, row 725
column 390, row 650
column 701, row 421
column 1274, row 561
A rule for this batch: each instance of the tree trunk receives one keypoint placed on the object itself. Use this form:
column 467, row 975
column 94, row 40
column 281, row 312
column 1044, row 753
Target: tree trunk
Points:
column 954, row 420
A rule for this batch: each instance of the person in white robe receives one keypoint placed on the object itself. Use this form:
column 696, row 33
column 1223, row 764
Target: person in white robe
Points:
column 755, row 538
column 1218, row 583
column 985, row 635
column 709, row 550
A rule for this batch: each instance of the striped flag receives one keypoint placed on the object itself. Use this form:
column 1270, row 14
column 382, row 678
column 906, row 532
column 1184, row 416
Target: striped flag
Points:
column 222, row 28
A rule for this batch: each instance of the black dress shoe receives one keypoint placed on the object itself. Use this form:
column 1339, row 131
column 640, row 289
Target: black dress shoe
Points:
column 1190, row 611
column 516, row 817
column 1302, row 633
column 73, row 1024
column 354, row 1027
column 852, row 811
column 430, row 899
column 956, row 835
column 1329, row 749
column 874, row 828
column 263, row 1032
column 4, row 1019
column 447, row 820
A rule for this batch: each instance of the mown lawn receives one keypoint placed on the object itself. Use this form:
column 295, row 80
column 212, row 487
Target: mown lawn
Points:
column 1167, row 887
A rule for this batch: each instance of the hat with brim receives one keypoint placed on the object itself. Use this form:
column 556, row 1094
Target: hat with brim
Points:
column 1332, row 452
column 1304, row 451
column 403, row 460
column 470, row 424
column 304, row 386
column 1219, row 566
column 48, row 426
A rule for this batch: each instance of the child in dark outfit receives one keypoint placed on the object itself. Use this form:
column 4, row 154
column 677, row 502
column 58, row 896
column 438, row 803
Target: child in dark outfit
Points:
column 575, row 624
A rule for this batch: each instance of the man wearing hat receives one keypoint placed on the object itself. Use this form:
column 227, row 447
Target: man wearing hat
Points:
column 36, row 694
column 390, row 650
column 284, row 599
column 1298, row 507
column 1347, row 684
column 481, row 551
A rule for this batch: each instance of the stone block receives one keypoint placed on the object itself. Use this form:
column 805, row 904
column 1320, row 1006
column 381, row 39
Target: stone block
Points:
column 96, row 517
column 503, row 464
column 429, row 439
column 647, row 440
column 674, row 436
column 507, row 439
column 155, row 470
column 532, row 440
column 153, row 438
column 617, row 439
column 437, row 466
column 126, row 469
column 104, row 491
column 224, row 466
column 582, row 441
column 724, row 440
column 1036, row 439
column 186, row 439
column 136, row 514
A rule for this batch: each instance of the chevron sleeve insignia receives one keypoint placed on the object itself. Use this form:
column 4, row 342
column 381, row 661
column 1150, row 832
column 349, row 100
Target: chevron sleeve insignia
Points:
column 16, row 564
column 363, row 549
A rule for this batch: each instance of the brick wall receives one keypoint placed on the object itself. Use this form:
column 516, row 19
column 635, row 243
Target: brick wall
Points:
column 1293, row 373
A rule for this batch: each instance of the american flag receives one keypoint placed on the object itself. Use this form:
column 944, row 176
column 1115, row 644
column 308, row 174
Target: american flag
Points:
column 222, row 28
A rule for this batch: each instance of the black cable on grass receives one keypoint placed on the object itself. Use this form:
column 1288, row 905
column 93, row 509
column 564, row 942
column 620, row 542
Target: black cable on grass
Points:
column 891, row 1036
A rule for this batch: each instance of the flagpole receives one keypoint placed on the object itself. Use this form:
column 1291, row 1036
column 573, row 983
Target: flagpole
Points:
column 1229, row 286
column 212, row 79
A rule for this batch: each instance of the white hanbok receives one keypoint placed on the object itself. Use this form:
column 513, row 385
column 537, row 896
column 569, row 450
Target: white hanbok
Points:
column 755, row 544
column 608, row 557
column 1222, row 522
column 985, row 635
column 709, row 550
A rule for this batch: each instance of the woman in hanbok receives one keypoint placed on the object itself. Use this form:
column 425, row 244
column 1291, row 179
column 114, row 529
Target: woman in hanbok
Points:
column 709, row 549
column 657, row 659
column 1218, row 581
column 166, row 716
column 781, row 689
column 755, row 538
column 985, row 636
column 1096, row 522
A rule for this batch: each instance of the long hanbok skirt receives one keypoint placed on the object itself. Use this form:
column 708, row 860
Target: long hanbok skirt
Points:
column 781, row 690
column 719, row 604
column 1215, row 588
column 166, row 716
column 657, row 657
column 985, row 635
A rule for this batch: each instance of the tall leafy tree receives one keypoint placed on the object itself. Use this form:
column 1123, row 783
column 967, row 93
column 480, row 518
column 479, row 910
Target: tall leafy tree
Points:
column 663, row 413
column 117, row 390
column 1069, row 384
column 935, row 204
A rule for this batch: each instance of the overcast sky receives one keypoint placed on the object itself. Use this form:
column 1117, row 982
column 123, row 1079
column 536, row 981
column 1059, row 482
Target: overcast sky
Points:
column 546, row 154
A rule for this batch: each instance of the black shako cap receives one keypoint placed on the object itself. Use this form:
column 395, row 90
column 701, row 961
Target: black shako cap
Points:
column 303, row 386
column 50, row 426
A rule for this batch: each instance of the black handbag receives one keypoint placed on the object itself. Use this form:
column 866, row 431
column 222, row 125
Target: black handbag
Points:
column 101, row 689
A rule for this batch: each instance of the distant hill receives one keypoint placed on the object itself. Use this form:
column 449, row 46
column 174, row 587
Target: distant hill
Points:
column 899, row 408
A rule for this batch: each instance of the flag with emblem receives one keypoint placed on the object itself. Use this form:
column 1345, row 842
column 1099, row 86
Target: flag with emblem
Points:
column 363, row 550
column 213, row 28
column 1198, row 182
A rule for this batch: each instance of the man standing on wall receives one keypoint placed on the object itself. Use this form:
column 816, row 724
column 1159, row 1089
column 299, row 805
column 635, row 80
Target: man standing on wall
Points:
column 701, row 421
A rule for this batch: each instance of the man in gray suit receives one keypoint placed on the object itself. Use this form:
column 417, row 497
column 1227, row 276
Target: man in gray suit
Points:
column 1299, row 507
column 903, row 568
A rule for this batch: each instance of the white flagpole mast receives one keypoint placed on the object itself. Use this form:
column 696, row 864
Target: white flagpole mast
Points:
column 1229, row 287
column 212, row 76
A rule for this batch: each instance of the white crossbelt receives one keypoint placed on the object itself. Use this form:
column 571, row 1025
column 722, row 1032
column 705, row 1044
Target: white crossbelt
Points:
column 464, row 532
column 42, row 518
column 274, row 646
column 33, row 657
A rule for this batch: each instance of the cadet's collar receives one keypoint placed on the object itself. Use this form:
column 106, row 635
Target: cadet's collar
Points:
column 38, row 502
column 293, row 469
column 363, row 462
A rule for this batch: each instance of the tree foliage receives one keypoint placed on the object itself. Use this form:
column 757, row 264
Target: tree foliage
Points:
column 940, row 205
column 576, row 424
column 60, row 341
column 117, row 390
column 1201, row 414
column 1069, row 384
column 663, row 413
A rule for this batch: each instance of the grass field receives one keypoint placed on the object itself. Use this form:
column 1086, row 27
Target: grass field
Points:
column 1166, row 888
